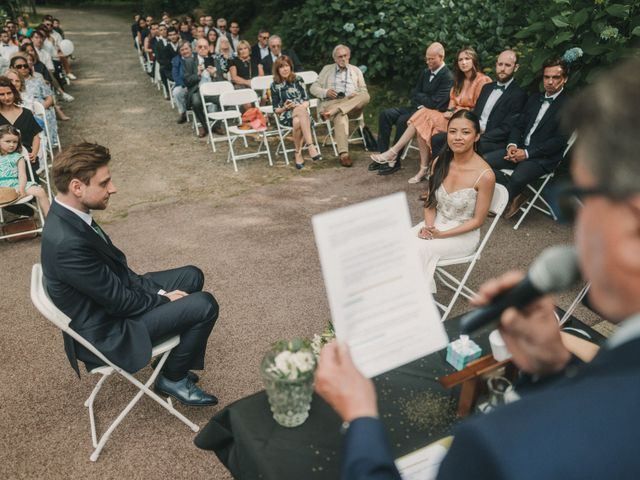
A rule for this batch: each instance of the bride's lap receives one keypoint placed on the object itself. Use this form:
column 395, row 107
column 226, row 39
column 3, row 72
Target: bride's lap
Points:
column 451, row 247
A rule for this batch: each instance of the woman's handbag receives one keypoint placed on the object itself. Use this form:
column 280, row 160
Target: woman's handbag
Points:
column 253, row 119
column 370, row 142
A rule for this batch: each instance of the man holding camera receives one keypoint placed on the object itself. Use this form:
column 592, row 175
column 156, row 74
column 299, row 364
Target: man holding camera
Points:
column 344, row 95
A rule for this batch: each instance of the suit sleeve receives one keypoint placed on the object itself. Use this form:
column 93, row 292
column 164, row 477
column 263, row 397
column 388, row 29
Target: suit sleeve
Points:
column 470, row 457
column 367, row 455
column 438, row 100
column 319, row 88
column 80, row 267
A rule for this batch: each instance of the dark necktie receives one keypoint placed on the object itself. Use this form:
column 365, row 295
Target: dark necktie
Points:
column 98, row 230
column 499, row 87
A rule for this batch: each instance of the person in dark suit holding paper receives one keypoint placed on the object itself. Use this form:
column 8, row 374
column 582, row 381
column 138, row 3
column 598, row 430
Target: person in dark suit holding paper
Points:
column 575, row 420
column 498, row 107
column 536, row 142
column 121, row 313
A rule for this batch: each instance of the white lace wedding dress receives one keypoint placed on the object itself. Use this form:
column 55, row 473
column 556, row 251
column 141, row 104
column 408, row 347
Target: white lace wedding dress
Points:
column 453, row 209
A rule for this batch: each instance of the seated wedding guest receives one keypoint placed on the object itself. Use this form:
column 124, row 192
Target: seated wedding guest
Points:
column 431, row 91
column 185, row 31
column 23, row 27
column 135, row 28
column 177, row 72
column 123, row 314
column 468, row 81
column 165, row 54
column 221, row 26
column 498, row 107
column 275, row 50
column 38, row 90
column 32, row 58
column 11, row 113
column 261, row 49
column 234, row 35
column 142, row 31
column 224, row 55
column 149, row 44
column 13, row 171
column 291, row 104
column 199, row 33
column 344, row 95
column 536, row 141
column 200, row 69
column 7, row 48
column 561, row 408
column 460, row 190
column 212, row 38
column 243, row 68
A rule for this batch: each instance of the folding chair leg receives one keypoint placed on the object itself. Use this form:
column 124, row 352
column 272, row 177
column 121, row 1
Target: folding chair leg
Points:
column 143, row 388
column 532, row 202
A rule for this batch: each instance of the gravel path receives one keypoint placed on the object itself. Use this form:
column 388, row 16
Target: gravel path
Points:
column 178, row 204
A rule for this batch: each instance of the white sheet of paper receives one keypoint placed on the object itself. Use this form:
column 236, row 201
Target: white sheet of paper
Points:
column 379, row 300
column 422, row 464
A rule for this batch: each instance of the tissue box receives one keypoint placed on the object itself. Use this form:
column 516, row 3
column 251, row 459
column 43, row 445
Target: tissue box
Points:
column 460, row 353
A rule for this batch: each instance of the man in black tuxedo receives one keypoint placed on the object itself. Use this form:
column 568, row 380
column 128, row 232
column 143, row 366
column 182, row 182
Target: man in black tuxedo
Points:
column 536, row 141
column 261, row 48
column 165, row 54
column 275, row 50
column 575, row 420
column 431, row 91
column 498, row 107
column 121, row 313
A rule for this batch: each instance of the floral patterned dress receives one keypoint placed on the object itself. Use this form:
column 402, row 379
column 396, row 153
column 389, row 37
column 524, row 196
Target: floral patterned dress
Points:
column 38, row 90
column 281, row 92
column 9, row 171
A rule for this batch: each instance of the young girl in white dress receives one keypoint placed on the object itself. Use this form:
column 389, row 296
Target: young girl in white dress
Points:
column 460, row 190
column 13, row 170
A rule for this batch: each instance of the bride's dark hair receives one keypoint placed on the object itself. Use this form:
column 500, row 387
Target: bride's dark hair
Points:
column 441, row 169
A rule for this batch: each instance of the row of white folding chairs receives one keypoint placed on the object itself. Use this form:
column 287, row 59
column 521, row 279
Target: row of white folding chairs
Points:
column 45, row 153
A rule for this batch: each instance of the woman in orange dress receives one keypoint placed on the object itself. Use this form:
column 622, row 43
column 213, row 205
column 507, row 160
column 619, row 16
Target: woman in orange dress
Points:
column 468, row 80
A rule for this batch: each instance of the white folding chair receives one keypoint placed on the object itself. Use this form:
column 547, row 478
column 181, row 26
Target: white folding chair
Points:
column 409, row 146
column 141, row 56
column 537, row 201
column 498, row 204
column 261, row 85
column 26, row 200
column 171, row 84
column 43, row 303
column 210, row 89
column 46, row 150
column 234, row 100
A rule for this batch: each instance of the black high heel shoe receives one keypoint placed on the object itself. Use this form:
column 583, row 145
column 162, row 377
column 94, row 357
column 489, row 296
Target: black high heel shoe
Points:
column 318, row 156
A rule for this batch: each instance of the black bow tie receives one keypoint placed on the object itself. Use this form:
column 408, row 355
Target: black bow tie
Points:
column 546, row 99
column 499, row 87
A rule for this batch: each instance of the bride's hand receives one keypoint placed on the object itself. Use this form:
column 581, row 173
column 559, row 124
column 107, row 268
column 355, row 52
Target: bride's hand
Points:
column 426, row 233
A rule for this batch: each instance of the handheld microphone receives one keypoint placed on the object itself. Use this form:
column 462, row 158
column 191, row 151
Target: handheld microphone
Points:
column 554, row 270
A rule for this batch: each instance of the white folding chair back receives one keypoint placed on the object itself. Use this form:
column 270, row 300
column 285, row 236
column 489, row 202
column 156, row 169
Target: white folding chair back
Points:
column 45, row 306
column 537, row 201
column 214, row 89
column 261, row 84
column 233, row 100
column 141, row 56
column 498, row 204
column 308, row 76
column 171, row 84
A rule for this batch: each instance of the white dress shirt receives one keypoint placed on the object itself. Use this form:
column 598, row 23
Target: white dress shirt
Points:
column 435, row 72
column 543, row 109
column 264, row 51
column 343, row 81
column 491, row 102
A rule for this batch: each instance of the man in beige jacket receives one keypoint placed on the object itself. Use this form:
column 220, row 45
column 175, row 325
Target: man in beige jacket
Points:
column 344, row 94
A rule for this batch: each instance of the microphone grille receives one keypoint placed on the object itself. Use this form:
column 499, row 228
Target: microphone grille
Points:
column 555, row 269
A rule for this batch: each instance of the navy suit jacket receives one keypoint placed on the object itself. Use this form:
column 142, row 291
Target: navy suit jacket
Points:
column 433, row 94
column 89, row 280
column 583, row 425
column 504, row 114
column 548, row 141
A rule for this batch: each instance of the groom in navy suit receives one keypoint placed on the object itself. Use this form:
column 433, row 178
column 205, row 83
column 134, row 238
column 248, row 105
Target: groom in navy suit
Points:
column 576, row 420
column 498, row 107
column 121, row 313
column 536, row 142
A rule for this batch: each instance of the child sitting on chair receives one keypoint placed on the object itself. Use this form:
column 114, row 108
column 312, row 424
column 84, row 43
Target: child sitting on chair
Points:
column 13, row 169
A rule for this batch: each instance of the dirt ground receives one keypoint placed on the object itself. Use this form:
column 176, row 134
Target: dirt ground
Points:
column 177, row 204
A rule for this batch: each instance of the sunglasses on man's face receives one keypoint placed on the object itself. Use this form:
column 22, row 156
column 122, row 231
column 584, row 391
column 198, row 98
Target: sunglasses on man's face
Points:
column 21, row 65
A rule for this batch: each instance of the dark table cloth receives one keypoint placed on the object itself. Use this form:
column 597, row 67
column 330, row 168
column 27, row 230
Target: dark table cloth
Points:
column 413, row 406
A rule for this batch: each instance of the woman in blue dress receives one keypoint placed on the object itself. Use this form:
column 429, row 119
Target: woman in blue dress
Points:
column 291, row 104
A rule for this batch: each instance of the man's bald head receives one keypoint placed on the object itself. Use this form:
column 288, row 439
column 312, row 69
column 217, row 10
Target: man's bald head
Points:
column 506, row 65
column 434, row 56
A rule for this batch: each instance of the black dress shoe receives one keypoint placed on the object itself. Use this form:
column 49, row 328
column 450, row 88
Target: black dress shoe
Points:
column 387, row 170
column 185, row 391
column 373, row 166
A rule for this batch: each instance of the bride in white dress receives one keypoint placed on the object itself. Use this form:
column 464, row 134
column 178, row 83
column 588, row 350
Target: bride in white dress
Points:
column 460, row 190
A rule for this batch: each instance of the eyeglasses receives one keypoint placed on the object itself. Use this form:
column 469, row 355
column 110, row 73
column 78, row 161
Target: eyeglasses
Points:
column 569, row 199
column 22, row 65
